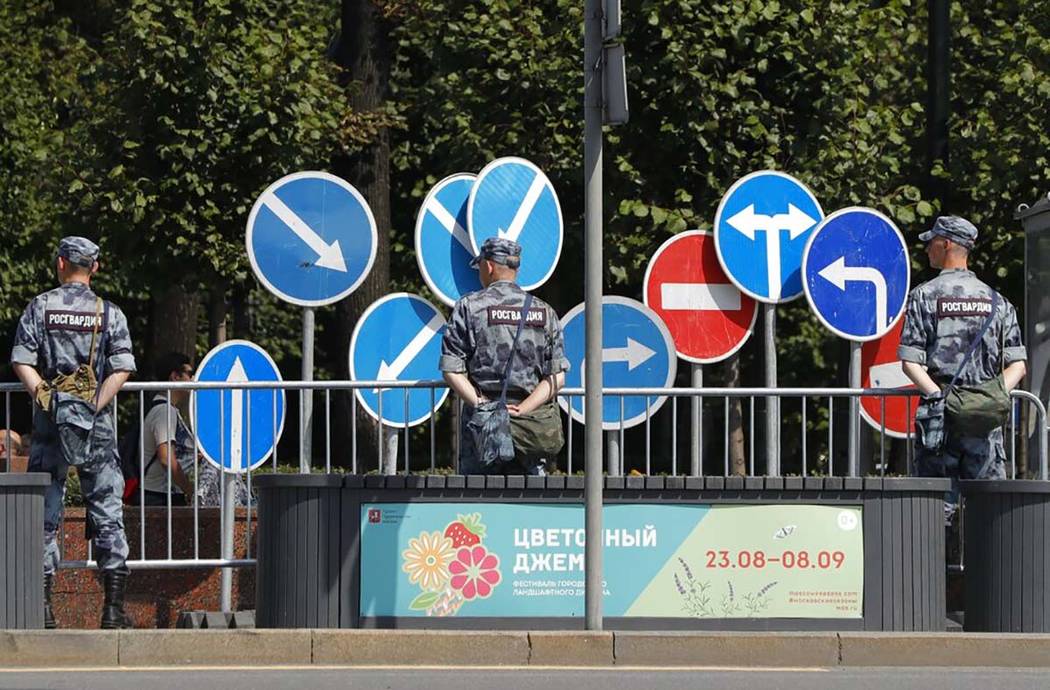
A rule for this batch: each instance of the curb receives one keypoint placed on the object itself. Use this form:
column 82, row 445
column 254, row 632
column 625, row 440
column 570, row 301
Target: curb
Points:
column 246, row 648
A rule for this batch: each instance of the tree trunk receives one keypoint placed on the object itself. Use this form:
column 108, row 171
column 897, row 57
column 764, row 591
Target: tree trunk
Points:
column 364, row 51
column 217, row 315
column 174, row 317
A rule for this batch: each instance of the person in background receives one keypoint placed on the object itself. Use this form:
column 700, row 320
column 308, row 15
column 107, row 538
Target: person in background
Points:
column 166, row 437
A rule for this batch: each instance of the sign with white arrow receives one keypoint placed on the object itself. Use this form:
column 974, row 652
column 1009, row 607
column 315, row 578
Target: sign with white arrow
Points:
column 443, row 247
column 311, row 238
column 398, row 338
column 857, row 270
column 637, row 352
column 237, row 428
column 881, row 368
column 512, row 198
column 760, row 230
column 709, row 318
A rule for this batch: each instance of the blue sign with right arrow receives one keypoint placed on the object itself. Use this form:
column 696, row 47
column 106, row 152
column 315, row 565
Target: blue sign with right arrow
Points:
column 857, row 273
column 512, row 198
column 637, row 352
column 311, row 238
column 443, row 247
column 761, row 228
column 398, row 338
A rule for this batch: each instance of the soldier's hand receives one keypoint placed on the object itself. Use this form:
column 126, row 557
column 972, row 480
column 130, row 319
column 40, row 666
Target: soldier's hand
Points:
column 514, row 409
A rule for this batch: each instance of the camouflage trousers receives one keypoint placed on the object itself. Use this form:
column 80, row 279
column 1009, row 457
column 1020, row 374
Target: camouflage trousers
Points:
column 470, row 462
column 101, row 484
column 963, row 457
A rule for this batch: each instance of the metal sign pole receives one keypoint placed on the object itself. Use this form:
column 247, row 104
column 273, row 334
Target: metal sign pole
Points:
column 306, row 440
column 229, row 509
column 769, row 314
column 697, row 434
column 592, row 214
column 854, row 409
column 613, row 457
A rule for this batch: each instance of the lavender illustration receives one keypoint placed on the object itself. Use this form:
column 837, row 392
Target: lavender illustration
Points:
column 757, row 602
column 695, row 598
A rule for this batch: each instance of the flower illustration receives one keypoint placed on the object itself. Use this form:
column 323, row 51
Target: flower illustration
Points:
column 427, row 560
column 474, row 572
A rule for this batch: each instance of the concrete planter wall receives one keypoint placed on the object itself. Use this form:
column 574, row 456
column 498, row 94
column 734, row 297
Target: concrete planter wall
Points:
column 22, row 549
column 1006, row 528
column 309, row 529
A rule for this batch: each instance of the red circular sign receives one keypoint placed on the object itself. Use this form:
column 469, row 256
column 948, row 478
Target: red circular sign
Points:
column 709, row 317
column 881, row 368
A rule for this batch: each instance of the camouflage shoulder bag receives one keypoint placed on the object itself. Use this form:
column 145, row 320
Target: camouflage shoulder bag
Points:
column 489, row 426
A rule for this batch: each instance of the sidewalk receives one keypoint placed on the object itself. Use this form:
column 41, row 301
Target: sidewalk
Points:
column 139, row 648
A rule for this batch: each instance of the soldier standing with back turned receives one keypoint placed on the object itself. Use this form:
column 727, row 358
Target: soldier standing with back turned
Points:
column 943, row 318
column 477, row 346
column 72, row 352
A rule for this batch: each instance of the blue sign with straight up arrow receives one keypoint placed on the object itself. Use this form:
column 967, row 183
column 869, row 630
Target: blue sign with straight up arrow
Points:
column 311, row 238
column 857, row 271
column 637, row 352
column 398, row 338
column 512, row 198
column 238, row 428
column 443, row 248
column 761, row 228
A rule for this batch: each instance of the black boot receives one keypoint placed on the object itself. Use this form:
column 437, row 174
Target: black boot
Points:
column 113, row 616
column 49, row 614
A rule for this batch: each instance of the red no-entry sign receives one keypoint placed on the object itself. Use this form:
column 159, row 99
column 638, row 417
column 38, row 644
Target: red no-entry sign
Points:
column 709, row 317
column 881, row 368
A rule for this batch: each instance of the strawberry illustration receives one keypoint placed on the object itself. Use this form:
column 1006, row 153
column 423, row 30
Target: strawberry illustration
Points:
column 466, row 530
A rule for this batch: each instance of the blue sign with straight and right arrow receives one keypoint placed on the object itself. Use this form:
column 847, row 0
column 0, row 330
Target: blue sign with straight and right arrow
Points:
column 398, row 338
column 311, row 238
column 857, row 272
column 637, row 352
column 512, row 198
column 761, row 228
column 443, row 247
column 237, row 429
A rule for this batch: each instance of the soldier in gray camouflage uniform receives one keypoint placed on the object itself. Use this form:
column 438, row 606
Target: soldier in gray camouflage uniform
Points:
column 478, row 341
column 944, row 315
column 55, row 337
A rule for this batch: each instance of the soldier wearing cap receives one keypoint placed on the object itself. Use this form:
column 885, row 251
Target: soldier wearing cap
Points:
column 943, row 317
column 478, row 342
column 72, row 352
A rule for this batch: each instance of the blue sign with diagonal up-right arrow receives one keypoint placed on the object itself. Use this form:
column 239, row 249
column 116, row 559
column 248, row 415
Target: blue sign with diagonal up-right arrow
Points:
column 512, row 198
column 761, row 228
column 856, row 271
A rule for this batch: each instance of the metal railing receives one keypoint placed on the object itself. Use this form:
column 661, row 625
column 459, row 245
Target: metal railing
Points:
column 715, row 435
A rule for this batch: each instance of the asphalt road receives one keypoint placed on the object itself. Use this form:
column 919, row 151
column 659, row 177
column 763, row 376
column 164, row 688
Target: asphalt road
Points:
column 530, row 679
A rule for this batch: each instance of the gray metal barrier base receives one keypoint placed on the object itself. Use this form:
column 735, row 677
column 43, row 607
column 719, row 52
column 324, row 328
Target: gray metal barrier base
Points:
column 1006, row 533
column 309, row 543
column 22, row 549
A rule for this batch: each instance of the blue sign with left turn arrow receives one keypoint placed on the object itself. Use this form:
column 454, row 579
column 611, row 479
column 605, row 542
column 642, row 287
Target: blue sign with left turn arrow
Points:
column 856, row 270
column 398, row 338
column 237, row 428
column 512, row 198
column 637, row 352
column 311, row 238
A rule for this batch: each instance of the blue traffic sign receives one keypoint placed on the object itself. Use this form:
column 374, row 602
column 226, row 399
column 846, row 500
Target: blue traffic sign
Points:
column 237, row 428
column 512, row 198
column 637, row 352
column 398, row 338
column 857, row 270
column 761, row 228
column 443, row 247
column 311, row 238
